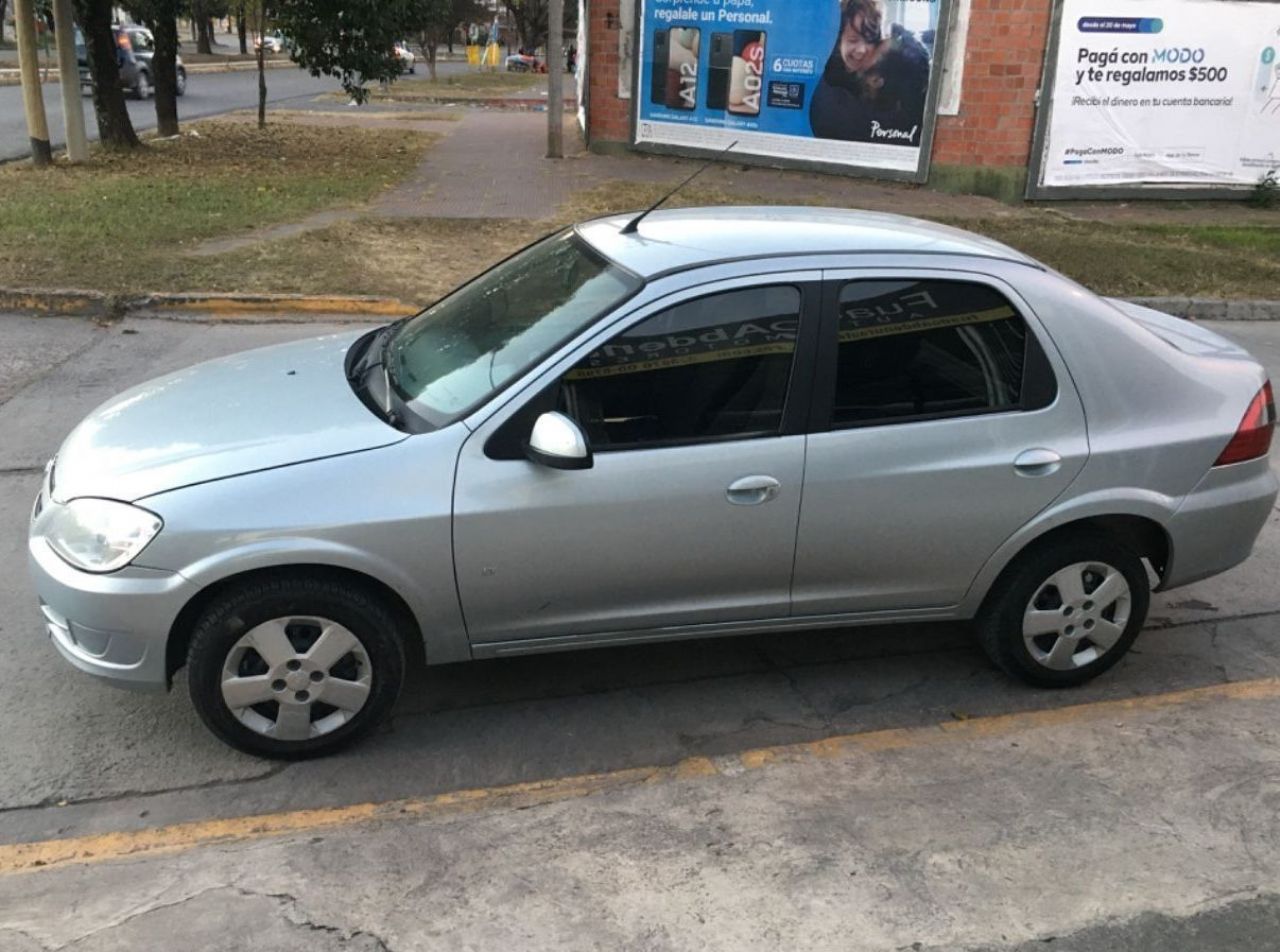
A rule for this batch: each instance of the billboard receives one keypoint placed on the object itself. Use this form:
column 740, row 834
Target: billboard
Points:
column 829, row 82
column 1163, row 93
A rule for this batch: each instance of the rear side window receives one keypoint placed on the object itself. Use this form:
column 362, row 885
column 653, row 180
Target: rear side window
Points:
column 911, row 350
column 717, row 367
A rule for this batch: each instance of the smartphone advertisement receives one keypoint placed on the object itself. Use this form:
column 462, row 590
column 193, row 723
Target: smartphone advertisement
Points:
column 826, row 82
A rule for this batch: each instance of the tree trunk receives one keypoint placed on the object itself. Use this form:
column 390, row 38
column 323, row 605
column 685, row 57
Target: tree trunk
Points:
column 114, row 127
column 69, row 82
column 555, row 80
column 32, row 91
column 242, row 31
column 204, row 29
column 164, row 65
column 262, row 82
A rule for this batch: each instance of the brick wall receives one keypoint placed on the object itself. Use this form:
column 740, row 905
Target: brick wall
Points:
column 997, row 103
column 608, row 117
column 1002, row 65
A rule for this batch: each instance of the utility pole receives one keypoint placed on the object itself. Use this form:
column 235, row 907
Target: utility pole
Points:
column 69, row 78
column 32, row 94
column 555, row 79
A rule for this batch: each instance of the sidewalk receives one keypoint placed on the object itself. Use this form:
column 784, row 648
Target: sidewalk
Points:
column 1122, row 826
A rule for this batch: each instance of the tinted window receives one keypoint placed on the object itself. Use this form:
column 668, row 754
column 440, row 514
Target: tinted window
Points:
column 910, row 349
column 713, row 368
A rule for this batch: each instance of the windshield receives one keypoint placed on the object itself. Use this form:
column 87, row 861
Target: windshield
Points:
column 459, row 352
column 141, row 40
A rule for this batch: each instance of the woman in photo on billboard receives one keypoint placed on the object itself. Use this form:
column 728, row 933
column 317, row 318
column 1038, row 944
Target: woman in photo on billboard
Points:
column 873, row 87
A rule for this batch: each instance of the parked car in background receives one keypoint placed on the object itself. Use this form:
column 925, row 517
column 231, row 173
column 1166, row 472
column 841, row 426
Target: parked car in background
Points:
column 144, row 50
column 271, row 42
column 134, row 73
column 523, row 62
column 405, row 56
column 605, row 440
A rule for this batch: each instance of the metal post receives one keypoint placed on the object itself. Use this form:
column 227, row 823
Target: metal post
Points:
column 69, row 78
column 32, row 93
column 555, row 79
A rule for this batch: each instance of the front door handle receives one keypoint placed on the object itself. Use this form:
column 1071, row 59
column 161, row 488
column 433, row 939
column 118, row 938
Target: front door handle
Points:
column 752, row 490
column 1037, row 462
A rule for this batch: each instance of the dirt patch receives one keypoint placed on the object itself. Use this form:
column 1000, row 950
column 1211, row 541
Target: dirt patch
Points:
column 413, row 260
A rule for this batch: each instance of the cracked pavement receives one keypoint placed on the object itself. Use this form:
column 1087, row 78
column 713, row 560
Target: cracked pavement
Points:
column 1159, row 825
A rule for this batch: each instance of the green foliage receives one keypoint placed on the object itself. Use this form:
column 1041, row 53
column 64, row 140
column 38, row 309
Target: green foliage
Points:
column 1266, row 194
column 351, row 40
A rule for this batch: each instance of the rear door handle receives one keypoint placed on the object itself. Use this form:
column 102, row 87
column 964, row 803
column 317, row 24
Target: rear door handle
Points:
column 752, row 490
column 1037, row 462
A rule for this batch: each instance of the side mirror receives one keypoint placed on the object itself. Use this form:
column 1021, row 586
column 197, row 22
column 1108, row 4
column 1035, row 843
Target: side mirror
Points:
column 557, row 442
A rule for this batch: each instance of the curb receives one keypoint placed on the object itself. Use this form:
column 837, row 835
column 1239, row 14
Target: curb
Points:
column 12, row 77
column 335, row 307
column 244, row 308
column 1213, row 309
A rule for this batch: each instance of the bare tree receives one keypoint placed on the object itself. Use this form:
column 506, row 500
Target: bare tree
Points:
column 115, row 129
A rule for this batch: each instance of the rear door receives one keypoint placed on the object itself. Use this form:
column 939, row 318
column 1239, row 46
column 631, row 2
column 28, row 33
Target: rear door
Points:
column 944, row 420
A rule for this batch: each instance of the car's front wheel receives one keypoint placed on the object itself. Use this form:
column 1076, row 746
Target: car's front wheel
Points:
column 1066, row 611
column 181, row 88
column 294, row 666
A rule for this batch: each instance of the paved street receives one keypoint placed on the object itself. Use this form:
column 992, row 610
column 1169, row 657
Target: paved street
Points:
column 779, row 791
column 208, row 94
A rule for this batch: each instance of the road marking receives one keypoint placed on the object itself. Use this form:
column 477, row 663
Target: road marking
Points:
column 42, row 854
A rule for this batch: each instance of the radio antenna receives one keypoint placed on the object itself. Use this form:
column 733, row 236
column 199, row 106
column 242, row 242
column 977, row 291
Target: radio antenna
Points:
column 632, row 226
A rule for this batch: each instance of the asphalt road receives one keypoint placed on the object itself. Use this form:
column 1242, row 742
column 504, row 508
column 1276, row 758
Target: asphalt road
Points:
column 80, row 759
column 208, row 94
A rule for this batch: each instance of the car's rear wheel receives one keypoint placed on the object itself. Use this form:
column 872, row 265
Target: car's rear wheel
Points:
column 292, row 667
column 143, row 88
column 1067, row 611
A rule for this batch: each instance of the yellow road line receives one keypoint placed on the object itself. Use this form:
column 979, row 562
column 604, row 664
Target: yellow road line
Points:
column 19, row 857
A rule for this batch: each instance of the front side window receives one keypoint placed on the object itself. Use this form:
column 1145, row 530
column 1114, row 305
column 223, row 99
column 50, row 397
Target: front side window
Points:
column 457, row 353
column 925, row 349
column 716, row 367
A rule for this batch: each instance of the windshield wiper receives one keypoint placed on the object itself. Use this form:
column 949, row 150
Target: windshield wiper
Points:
column 362, row 369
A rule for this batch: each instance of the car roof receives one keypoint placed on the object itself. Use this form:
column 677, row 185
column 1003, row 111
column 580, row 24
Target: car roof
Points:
column 681, row 238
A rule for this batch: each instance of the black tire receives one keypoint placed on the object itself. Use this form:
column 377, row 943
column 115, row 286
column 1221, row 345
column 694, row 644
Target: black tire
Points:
column 1000, row 622
column 233, row 613
column 181, row 88
column 142, row 90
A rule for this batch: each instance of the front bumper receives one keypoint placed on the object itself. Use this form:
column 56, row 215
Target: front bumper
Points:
column 115, row 627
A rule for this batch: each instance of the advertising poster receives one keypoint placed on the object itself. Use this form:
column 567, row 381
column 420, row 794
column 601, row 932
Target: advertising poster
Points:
column 1164, row 92
column 837, row 82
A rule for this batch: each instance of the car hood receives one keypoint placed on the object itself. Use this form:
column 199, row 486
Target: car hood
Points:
column 252, row 411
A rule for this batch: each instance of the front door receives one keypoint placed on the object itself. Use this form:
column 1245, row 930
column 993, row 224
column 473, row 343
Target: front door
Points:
column 945, row 424
column 689, row 512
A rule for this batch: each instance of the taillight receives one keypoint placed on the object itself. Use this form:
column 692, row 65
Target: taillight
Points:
column 1253, row 436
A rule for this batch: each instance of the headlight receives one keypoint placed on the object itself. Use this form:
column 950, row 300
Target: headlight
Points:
column 100, row 535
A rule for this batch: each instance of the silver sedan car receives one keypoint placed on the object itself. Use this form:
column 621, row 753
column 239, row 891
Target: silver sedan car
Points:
column 717, row 421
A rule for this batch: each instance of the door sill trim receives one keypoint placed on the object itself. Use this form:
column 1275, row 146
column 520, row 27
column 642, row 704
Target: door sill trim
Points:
column 604, row 639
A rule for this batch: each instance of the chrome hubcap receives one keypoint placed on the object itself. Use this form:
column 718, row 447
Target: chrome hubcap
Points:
column 1076, row 615
column 296, row 677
